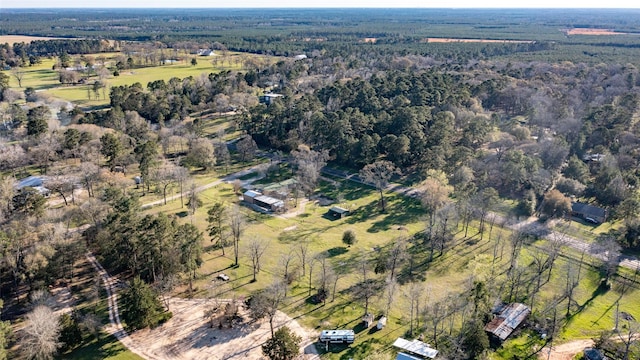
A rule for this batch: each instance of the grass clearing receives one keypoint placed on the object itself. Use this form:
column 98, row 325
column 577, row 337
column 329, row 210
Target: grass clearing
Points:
column 43, row 78
column 468, row 258
column 104, row 347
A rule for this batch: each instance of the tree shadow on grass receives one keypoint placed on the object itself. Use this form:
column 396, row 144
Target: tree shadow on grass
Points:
column 336, row 251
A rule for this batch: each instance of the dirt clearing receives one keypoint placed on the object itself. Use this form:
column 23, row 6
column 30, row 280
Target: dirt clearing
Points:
column 452, row 40
column 12, row 39
column 590, row 31
column 188, row 335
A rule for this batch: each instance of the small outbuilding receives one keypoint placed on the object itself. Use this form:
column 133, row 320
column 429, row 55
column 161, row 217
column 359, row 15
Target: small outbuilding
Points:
column 593, row 354
column 367, row 320
column 382, row 323
column 588, row 212
column 508, row 318
column 250, row 195
column 416, row 349
column 269, row 98
column 337, row 212
column 263, row 202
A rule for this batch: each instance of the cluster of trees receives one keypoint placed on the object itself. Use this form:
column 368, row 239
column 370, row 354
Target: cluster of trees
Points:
column 24, row 54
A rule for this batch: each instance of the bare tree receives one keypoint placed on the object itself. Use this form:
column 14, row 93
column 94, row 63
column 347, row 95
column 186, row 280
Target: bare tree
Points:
column 39, row 337
column 435, row 194
column 256, row 249
column 285, row 265
column 390, row 293
column 397, row 255
column 266, row 303
column 237, row 225
column 309, row 163
column 302, row 250
column 18, row 73
column 247, row 148
column 89, row 173
column 413, row 293
column 378, row 174
column 630, row 338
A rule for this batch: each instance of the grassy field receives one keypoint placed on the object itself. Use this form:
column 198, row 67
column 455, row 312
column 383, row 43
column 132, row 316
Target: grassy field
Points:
column 43, row 78
column 469, row 258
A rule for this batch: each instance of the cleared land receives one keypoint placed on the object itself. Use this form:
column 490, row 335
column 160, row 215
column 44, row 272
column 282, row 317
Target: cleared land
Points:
column 453, row 40
column 590, row 31
column 188, row 335
column 12, row 39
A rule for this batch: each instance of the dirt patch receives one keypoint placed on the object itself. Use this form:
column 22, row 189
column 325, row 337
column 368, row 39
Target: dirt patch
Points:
column 188, row 335
column 590, row 31
column 566, row 351
column 12, row 39
column 452, row 40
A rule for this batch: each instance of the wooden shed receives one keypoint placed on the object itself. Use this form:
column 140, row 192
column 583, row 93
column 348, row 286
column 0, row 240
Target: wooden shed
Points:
column 337, row 212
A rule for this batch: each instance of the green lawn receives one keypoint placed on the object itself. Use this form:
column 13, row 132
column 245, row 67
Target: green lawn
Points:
column 42, row 77
column 450, row 273
column 106, row 347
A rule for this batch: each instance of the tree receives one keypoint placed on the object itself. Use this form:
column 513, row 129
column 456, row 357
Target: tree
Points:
column 247, row 148
column 474, row 339
column 140, row 306
column 265, row 303
column 256, row 249
column 37, row 120
column 147, row 154
column 237, row 225
column 5, row 335
column 18, row 73
column 378, row 174
column 70, row 334
column 555, row 205
column 222, row 155
column 435, row 194
column 200, row 154
column 284, row 345
column 218, row 226
column 28, row 201
column 39, row 337
column 308, row 163
column 194, row 62
column 189, row 238
column 111, row 148
column 193, row 201
column 349, row 237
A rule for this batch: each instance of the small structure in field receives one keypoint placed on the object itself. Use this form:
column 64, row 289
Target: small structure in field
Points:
column 35, row 182
column 593, row 354
column 592, row 214
column 268, row 203
column 337, row 212
column 382, row 323
column 367, row 320
column 508, row 318
column 269, row 98
column 205, row 52
column 416, row 349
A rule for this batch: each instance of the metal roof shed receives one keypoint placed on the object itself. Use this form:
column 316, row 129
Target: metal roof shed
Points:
column 416, row 347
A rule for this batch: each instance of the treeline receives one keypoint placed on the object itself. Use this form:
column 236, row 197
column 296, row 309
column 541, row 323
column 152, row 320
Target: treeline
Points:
column 27, row 53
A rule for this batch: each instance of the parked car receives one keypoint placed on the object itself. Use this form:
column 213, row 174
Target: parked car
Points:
column 223, row 276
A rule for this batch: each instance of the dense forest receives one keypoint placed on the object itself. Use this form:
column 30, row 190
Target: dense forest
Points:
column 536, row 124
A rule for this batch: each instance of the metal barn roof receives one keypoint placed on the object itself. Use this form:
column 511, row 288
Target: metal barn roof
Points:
column 416, row 347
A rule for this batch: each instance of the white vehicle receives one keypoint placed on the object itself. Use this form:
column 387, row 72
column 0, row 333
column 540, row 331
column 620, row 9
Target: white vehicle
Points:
column 337, row 336
column 223, row 276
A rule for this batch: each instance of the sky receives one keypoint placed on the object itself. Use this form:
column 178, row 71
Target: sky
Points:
column 320, row 4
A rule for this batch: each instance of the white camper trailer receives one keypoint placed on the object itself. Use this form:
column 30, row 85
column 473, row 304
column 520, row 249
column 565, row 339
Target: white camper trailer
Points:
column 337, row 336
